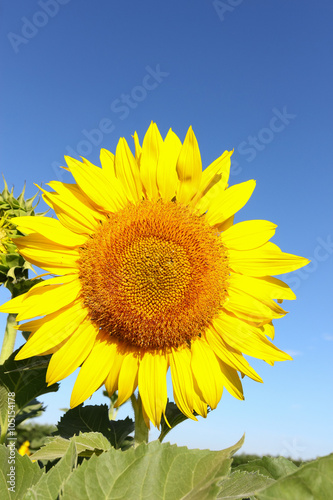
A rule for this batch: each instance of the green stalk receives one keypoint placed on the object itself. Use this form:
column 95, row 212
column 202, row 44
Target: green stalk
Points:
column 4, row 428
column 9, row 338
column 141, row 431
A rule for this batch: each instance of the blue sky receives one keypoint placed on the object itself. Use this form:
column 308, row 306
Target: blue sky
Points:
column 254, row 76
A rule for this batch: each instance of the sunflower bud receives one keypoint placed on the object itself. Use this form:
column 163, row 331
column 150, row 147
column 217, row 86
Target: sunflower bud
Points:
column 13, row 267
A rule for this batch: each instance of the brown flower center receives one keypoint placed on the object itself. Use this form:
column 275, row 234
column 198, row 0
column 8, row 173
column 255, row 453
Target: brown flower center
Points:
column 154, row 275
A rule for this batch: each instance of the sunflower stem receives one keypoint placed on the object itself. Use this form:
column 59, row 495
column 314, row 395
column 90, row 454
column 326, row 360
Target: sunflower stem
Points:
column 9, row 338
column 141, row 430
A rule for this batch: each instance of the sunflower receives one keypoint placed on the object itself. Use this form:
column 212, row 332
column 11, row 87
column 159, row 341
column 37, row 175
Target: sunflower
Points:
column 151, row 274
column 25, row 449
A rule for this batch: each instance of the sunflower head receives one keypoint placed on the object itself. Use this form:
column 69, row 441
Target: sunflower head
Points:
column 152, row 274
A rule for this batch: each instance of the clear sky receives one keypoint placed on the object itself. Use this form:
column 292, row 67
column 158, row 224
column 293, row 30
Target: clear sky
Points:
column 254, row 76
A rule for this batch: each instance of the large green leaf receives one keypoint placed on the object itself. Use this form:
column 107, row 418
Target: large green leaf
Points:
column 26, row 474
column 25, row 378
column 242, row 485
column 84, row 419
column 95, row 419
column 86, row 444
column 119, row 433
column 154, row 471
column 313, row 481
column 274, row 467
column 50, row 485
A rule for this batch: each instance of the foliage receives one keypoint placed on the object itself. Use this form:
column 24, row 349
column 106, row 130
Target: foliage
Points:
column 25, row 380
column 96, row 418
column 159, row 470
column 244, row 458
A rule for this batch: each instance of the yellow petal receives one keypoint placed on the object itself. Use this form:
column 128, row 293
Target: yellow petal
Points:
column 68, row 220
column 74, row 206
column 151, row 147
column 229, row 202
column 76, row 197
column 250, row 308
column 244, row 337
column 226, row 224
column 72, row 354
column 58, row 280
column 13, row 305
column 248, row 234
column 229, row 355
column 167, row 178
column 182, row 380
column 127, row 171
column 107, row 162
column 264, row 261
column 268, row 329
column 231, row 381
column 111, row 382
column 48, row 300
column 263, row 288
column 199, row 406
column 18, row 303
column 47, row 255
column 206, row 371
column 51, row 229
column 55, row 328
column 93, row 371
column 128, row 377
column 138, row 148
column 106, row 193
column 213, row 173
column 189, row 169
column 32, row 326
column 152, row 385
column 214, row 181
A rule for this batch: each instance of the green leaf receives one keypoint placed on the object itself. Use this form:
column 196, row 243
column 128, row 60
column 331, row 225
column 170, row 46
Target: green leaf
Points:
column 313, row 481
column 32, row 410
column 24, row 285
column 26, row 474
column 25, row 378
column 95, row 418
column 84, row 419
column 153, row 471
column 3, row 408
column 51, row 484
column 86, row 445
column 274, row 467
column 243, row 485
